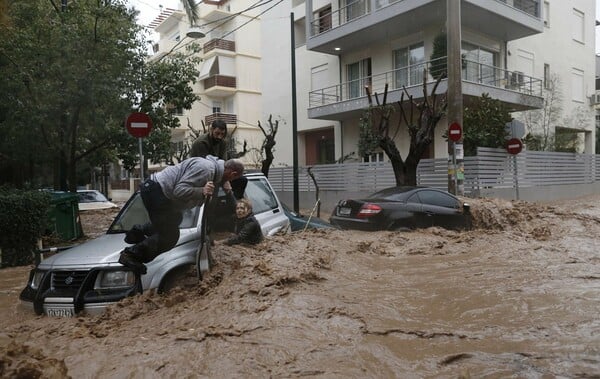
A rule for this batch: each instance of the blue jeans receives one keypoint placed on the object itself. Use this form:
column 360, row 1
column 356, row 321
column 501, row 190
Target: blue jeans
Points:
column 165, row 219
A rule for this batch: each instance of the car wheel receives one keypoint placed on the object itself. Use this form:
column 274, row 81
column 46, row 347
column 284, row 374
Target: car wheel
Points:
column 174, row 278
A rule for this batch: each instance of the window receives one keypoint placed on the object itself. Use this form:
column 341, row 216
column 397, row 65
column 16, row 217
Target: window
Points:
column 409, row 65
column 318, row 77
column 359, row 76
column 578, row 25
column 479, row 64
column 323, row 18
column 547, row 81
column 437, row 198
column 216, row 106
column 577, row 85
column 352, row 9
column 261, row 195
column 546, row 14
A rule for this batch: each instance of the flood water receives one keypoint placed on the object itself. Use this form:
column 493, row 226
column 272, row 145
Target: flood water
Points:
column 519, row 296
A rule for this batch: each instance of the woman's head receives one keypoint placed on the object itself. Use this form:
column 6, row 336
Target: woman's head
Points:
column 243, row 208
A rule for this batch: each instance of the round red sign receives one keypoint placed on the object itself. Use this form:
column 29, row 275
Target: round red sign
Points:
column 138, row 124
column 454, row 132
column 514, row 146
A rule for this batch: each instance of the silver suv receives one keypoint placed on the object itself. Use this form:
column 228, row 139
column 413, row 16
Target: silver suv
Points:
column 89, row 278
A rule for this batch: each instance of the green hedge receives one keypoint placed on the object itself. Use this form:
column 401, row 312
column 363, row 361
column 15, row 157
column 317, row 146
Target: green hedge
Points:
column 23, row 220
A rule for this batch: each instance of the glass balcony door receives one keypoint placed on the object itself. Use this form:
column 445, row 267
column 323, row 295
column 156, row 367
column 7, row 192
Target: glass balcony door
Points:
column 409, row 63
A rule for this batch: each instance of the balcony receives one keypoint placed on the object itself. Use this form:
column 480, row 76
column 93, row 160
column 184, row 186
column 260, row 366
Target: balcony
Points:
column 219, row 85
column 230, row 119
column 366, row 22
column 219, row 43
column 347, row 100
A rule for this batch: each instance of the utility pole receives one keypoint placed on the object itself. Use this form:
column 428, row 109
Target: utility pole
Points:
column 294, row 118
column 456, row 166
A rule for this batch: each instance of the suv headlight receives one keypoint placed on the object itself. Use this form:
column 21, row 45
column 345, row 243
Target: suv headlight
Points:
column 114, row 279
column 37, row 279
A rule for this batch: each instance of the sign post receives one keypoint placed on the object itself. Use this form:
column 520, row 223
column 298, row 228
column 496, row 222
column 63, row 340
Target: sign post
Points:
column 139, row 125
column 455, row 135
column 514, row 147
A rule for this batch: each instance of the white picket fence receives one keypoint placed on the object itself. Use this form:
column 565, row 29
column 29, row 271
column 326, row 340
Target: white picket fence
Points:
column 490, row 169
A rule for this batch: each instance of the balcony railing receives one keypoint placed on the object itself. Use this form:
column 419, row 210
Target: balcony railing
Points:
column 412, row 75
column 227, row 117
column 360, row 8
column 219, row 80
column 219, row 43
column 341, row 16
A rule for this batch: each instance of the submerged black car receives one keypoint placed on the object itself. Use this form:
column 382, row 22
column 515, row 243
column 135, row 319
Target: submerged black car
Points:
column 399, row 208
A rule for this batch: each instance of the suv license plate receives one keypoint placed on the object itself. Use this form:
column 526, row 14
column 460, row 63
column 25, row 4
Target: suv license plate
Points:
column 344, row 211
column 60, row 312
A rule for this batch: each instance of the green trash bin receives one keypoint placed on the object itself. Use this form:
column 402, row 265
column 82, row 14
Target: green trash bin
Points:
column 64, row 215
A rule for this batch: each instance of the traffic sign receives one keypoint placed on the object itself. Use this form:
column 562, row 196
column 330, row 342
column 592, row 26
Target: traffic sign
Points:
column 514, row 146
column 138, row 124
column 454, row 132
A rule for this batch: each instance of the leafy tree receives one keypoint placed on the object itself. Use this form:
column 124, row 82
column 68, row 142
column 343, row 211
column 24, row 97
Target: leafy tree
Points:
column 65, row 73
column 70, row 78
column 420, row 116
column 484, row 124
column 439, row 67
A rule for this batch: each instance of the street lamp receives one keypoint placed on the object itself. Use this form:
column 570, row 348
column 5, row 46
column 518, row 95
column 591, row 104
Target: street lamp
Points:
column 195, row 32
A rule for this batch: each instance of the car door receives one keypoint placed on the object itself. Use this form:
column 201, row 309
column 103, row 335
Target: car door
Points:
column 442, row 209
column 420, row 218
column 265, row 205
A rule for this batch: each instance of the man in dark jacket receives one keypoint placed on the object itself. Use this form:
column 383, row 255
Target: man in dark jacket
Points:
column 247, row 229
column 165, row 195
column 211, row 143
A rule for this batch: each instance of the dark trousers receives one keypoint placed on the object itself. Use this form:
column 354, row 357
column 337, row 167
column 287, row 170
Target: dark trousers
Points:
column 165, row 219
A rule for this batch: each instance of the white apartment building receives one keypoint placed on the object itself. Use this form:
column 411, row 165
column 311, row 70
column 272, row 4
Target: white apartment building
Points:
column 510, row 50
column 229, row 82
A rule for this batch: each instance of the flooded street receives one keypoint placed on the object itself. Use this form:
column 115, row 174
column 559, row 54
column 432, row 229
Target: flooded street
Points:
column 518, row 296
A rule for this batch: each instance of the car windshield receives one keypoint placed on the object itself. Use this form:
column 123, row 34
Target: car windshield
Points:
column 91, row 197
column 134, row 213
column 392, row 193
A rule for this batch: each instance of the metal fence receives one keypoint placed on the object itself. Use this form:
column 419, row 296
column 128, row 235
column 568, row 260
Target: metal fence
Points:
column 490, row 169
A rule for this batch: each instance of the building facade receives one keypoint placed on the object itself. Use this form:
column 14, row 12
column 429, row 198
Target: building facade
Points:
column 229, row 82
column 510, row 49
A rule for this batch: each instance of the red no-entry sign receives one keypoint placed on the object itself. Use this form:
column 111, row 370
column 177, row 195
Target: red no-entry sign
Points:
column 514, row 146
column 454, row 132
column 138, row 124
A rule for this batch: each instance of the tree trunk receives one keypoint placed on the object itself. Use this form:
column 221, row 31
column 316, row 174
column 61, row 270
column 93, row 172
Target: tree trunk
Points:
column 390, row 149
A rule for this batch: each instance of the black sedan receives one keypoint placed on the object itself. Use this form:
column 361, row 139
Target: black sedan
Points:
column 400, row 208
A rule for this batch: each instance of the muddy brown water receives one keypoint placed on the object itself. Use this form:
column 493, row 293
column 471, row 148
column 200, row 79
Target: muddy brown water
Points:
column 519, row 296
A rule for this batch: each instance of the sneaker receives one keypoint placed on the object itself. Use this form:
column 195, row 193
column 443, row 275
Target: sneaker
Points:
column 129, row 260
column 135, row 235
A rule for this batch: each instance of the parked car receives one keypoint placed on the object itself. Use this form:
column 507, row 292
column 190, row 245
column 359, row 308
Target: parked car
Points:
column 299, row 221
column 398, row 208
column 88, row 277
column 92, row 200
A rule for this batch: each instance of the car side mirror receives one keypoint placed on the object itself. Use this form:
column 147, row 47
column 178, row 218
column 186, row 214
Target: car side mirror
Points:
column 466, row 208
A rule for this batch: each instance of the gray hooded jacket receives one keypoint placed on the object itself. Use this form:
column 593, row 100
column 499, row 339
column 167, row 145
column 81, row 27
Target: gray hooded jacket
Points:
column 183, row 182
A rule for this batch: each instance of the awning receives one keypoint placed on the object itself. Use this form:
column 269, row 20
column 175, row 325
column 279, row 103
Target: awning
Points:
column 217, row 65
column 206, row 68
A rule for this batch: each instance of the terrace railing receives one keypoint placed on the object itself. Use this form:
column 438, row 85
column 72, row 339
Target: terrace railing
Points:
column 412, row 75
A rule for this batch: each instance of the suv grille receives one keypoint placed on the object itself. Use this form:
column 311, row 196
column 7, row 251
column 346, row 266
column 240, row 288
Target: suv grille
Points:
column 68, row 280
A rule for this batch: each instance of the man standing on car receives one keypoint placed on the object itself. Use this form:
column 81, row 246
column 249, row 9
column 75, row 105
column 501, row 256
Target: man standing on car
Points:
column 165, row 195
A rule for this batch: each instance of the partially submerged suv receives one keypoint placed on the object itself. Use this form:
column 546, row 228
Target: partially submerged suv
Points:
column 89, row 278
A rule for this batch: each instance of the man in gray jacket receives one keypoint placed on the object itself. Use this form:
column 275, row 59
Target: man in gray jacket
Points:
column 165, row 195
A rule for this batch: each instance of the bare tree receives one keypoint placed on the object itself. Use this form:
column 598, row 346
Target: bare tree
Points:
column 268, row 144
column 541, row 123
column 420, row 116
